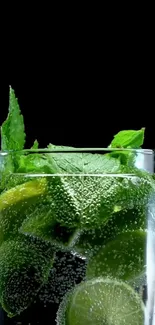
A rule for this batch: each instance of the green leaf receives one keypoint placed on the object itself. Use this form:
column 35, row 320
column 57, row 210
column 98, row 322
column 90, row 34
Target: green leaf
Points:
column 12, row 130
column 77, row 199
column 40, row 223
column 70, row 162
column 33, row 163
column 128, row 139
column 35, row 145
column 25, row 264
column 81, row 197
column 85, row 196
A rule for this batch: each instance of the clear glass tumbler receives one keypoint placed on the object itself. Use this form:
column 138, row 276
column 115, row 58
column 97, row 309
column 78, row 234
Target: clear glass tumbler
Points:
column 77, row 237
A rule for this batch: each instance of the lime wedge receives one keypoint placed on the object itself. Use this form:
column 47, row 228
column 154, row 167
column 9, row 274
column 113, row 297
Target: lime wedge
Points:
column 122, row 258
column 101, row 301
column 14, row 203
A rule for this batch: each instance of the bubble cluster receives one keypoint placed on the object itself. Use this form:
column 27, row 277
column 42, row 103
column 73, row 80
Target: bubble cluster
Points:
column 68, row 270
column 24, row 267
column 64, row 205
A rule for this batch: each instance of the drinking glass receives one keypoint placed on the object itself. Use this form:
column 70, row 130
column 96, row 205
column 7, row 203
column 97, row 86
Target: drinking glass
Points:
column 77, row 237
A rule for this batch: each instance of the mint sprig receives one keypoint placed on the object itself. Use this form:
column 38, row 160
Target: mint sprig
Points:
column 13, row 130
column 13, row 139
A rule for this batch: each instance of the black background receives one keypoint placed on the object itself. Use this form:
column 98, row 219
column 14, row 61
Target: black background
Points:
column 80, row 78
column 70, row 110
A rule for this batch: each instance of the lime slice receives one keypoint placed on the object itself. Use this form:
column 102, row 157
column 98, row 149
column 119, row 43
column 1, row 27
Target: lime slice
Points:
column 14, row 202
column 122, row 258
column 25, row 264
column 101, row 301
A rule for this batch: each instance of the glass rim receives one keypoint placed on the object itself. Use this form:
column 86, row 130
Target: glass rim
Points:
column 75, row 150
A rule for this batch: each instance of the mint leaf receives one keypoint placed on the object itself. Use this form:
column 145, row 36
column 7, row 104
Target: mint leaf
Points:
column 78, row 200
column 33, row 163
column 35, row 145
column 12, row 130
column 128, row 139
column 25, row 266
column 70, row 162
column 75, row 200
column 41, row 224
